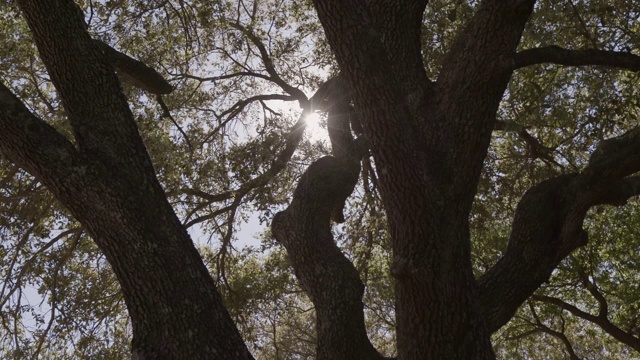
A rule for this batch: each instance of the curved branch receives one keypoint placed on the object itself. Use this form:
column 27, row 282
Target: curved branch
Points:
column 593, row 290
column 224, row 77
column 557, row 55
column 544, row 218
column 325, row 274
column 602, row 321
column 548, row 222
column 557, row 334
column 546, row 228
column 234, row 110
column 268, row 62
column 291, row 144
column 135, row 72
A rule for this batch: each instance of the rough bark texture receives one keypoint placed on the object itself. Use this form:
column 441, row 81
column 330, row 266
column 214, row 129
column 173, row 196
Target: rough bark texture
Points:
column 427, row 184
column 428, row 137
column 108, row 183
column 326, row 275
column 429, row 140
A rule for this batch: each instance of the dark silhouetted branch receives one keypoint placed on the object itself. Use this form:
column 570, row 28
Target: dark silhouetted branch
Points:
column 557, row 55
column 135, row 72
column 601, row 321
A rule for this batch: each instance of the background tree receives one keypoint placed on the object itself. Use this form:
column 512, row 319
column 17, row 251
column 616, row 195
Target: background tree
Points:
column 486, row 124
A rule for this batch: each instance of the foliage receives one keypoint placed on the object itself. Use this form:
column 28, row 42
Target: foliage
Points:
column 229, row 117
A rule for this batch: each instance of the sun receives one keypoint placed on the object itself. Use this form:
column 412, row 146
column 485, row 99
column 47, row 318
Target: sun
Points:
column 314, row 129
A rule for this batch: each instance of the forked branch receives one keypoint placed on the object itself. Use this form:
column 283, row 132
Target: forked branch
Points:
column 602, row 321
column 548, row 222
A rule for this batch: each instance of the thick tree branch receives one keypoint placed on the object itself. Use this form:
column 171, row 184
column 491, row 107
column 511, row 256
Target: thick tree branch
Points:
column 561, row 56
column 619, row 192
column 135, row 72
column 548, row 224
column 421, row 174
column 115, row 195
column 87, row 85
column 615, row 158
column 477, row 67
column 326, row 275
column 543, row 219
column 34, row 145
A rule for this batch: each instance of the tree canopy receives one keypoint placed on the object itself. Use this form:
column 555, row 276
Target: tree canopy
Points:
column 467, row 191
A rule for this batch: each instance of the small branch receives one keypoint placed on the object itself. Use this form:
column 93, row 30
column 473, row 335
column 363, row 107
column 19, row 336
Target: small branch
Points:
column 237, row 108
column 227, row 76
column 234, row 110
column 26, row 266
column 291, row 144
column 593, row 290
column 208, row 216
column 536, row 150
column 268, row 62
column 167, row 113
column 557, row 334
column 54, row 292
column 603, row 322
column 226, row 241
column 557, row 55
column 209, row 197
column 565, row 306
column 523, row 335
column 585, row 30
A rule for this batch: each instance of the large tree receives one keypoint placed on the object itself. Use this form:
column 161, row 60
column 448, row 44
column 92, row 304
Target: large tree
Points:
column 424, row 97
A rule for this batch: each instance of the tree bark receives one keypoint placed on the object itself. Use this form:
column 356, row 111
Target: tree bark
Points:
column 326, row 275
column 429, row 152
column 429, row 138
column 108, row 183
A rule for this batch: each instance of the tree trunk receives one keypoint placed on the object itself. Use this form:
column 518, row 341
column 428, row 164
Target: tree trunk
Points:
column 428, row 140
column 107, row 182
